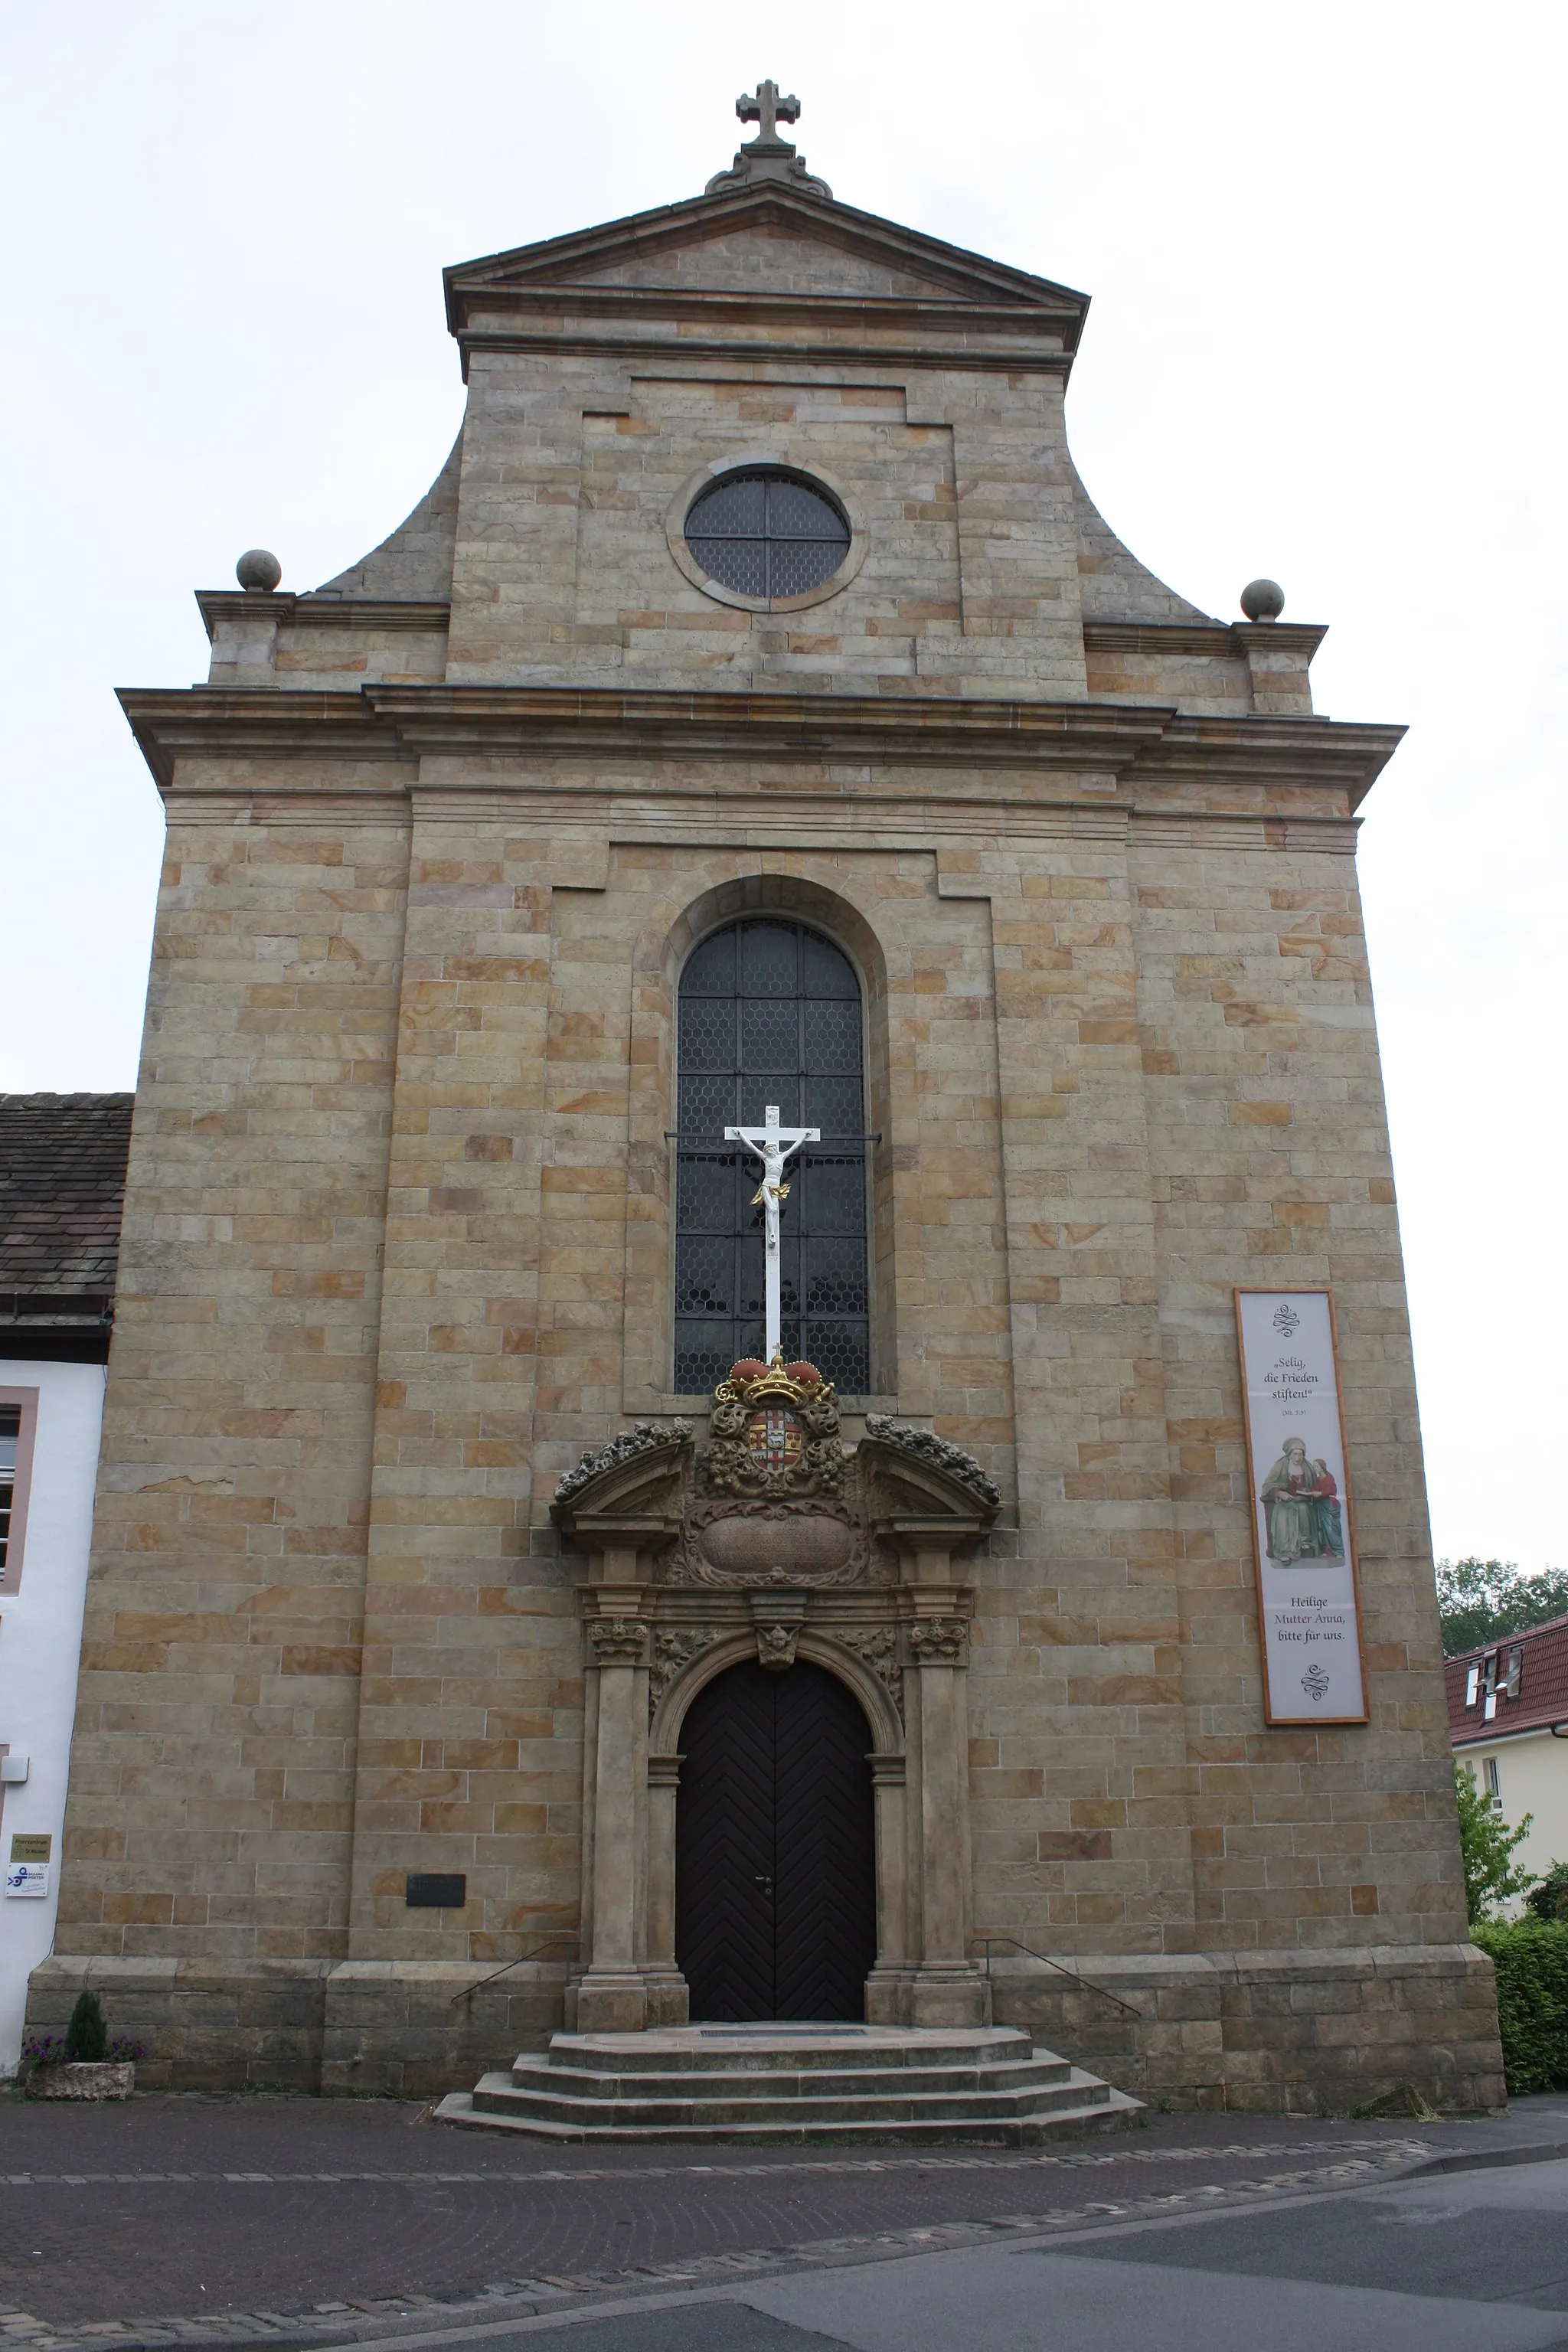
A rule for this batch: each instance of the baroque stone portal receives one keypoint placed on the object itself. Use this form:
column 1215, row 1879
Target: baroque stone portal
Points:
column 774, row 1541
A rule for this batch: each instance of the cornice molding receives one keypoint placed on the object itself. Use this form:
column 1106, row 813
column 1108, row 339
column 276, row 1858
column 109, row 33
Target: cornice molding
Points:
column 288, row 610
column 1225, row 639
column 1211, row 638
column 453, row 720
column 402, row 724
column 1279, row 752
column 956, row 359
column 255, row 723
column 957, row 317
column 1301, row 638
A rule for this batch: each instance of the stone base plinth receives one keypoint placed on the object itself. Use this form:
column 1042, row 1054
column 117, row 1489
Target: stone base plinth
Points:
column 409, row 2027
column 957, row 1996
column 640, row 2000
column 1274, row 2032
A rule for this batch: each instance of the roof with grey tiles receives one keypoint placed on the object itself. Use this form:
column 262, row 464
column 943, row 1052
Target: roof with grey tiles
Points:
column 62, row 1190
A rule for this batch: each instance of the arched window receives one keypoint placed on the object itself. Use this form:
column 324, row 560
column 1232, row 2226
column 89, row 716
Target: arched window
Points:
column 769, row 1013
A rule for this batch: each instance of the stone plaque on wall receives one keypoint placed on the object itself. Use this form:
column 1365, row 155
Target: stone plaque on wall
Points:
column 1303, row 1538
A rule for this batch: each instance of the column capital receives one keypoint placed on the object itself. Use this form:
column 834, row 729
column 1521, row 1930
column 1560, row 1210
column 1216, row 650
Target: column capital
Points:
column 618, row 1641
column 938, row 1640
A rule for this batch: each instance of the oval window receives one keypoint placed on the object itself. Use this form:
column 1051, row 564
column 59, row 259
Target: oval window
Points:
column 767, row 534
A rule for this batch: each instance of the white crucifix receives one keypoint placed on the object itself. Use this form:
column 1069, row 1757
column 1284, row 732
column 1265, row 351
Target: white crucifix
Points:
column 773, row 1145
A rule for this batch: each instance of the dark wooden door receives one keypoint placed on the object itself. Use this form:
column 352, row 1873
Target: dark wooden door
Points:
column 776, row 1893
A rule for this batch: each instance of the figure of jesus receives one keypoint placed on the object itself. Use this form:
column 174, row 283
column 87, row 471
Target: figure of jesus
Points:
column 773, row 1145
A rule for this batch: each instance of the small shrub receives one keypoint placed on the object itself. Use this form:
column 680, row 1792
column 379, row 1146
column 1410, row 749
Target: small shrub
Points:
column 1530, row 1956
column 87, row 2035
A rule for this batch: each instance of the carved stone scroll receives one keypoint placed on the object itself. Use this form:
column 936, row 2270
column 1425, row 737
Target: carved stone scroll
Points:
column 877, row 1646
column 926, row 1446
column 642, row 1438
column 674, row 1646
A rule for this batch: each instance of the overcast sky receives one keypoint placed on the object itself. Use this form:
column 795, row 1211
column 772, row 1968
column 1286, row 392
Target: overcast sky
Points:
column 1325, row 248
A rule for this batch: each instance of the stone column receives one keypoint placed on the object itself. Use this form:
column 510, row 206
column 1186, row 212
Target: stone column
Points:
column 668, row 2001
column 612, row 1996
column 622, row 1509
column 887, row 1986
column 949, row 1988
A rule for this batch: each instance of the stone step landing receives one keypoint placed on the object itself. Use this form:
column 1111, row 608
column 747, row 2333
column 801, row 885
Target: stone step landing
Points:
column 782, row 2082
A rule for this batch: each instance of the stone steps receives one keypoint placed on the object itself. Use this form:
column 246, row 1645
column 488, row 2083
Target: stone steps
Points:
column 540, row 2079
column 783, row 2084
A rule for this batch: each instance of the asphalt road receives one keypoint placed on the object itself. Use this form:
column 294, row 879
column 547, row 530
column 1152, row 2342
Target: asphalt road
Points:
column 1473, row 2261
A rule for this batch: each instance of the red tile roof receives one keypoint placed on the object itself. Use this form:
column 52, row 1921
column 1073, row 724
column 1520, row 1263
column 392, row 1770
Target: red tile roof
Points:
column 1542, row 1684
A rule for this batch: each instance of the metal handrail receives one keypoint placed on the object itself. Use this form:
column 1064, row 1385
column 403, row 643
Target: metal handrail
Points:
column 532, row 1954
column 1088, row 1982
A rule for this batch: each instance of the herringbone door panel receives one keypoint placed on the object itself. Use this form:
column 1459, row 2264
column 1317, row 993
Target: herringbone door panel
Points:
column 775, row 1855
column 725, row 1847
column 826, row 1914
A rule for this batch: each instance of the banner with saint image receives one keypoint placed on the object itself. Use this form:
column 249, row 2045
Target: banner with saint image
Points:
column 1303, row 1538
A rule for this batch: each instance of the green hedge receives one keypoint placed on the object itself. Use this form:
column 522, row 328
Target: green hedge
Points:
column 1530, row 1956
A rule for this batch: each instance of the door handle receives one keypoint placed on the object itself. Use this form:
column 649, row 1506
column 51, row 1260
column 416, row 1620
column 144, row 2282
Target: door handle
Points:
column 759, row 1879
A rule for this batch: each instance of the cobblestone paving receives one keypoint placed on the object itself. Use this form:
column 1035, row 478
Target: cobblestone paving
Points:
column 186, row 2220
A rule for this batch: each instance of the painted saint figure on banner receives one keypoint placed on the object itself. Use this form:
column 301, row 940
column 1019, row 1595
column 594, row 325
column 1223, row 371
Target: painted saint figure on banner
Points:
column 1300, row 1502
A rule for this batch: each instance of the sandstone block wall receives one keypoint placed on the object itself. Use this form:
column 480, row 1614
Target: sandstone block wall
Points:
column 212, row 1768
column 398, row 1243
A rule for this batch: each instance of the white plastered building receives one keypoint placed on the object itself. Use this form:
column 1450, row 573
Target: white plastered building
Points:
column 62, row 1179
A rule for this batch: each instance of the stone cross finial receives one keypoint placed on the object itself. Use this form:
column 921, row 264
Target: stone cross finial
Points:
column 767, row 109
column 768, row 156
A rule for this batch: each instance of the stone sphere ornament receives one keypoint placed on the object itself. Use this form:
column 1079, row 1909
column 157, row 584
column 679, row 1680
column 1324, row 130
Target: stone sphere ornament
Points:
column 1263, row 600
column 259, row 569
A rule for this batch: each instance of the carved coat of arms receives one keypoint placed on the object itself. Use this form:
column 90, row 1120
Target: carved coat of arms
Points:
column 771, row 1506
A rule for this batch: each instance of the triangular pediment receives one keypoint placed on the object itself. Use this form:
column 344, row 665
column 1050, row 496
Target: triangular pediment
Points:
column 767, row 243
column 764, row 259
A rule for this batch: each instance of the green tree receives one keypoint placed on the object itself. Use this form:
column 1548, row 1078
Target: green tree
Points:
column 1548, row 1898
column 1488, row 1844
column 1483, row 1600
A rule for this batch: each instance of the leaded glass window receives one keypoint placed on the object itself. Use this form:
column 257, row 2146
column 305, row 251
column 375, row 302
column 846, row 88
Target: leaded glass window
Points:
column 769, row 1013
column 767, row 534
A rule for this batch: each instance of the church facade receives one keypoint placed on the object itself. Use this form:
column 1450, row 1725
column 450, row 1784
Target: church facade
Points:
column 490, row 1626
